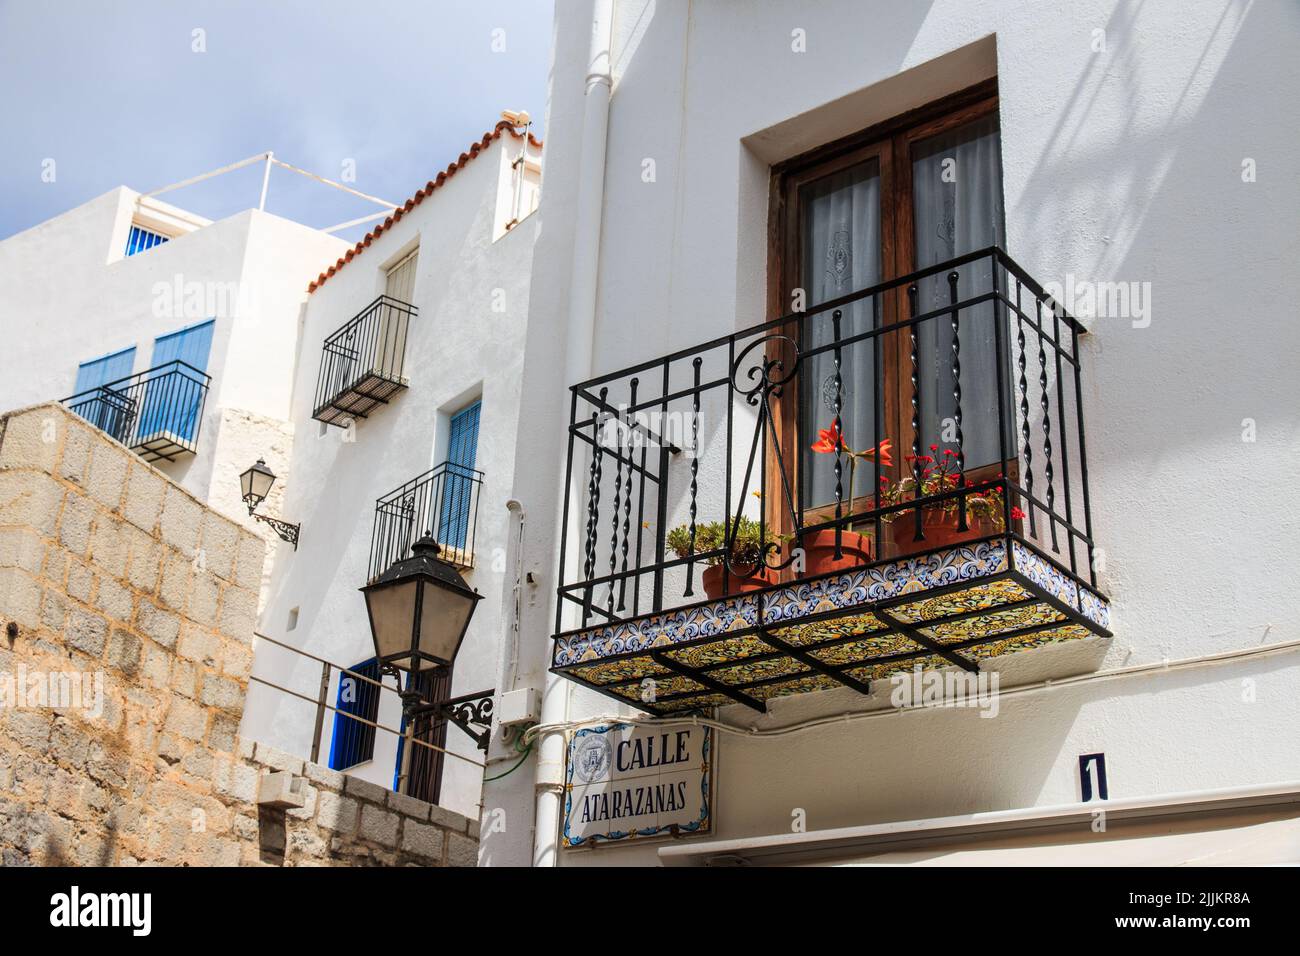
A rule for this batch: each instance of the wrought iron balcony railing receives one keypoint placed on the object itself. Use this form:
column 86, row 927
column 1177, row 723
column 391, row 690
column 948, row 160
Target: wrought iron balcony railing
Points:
column 894, row 443
column 156, row 414
column 443, row 502
column 362, row 365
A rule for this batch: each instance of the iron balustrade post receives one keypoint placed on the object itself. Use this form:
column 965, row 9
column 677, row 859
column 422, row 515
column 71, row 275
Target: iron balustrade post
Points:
column 839, row 439
column 1000, row 360
column 916, row 411
column 956, row 397
column 661, row 513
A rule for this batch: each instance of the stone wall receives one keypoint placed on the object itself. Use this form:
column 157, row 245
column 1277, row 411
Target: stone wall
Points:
column 127, row 612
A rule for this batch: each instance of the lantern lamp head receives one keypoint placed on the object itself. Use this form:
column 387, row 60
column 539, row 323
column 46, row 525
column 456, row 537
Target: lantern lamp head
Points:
column 255, row 483
column 419, row 610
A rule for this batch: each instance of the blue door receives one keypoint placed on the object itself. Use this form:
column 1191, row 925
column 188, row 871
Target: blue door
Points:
column 458, row 478
column 174, row 395
column 106, row 409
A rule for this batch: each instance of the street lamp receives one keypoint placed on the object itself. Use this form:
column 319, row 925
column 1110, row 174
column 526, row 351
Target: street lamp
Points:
column 255, row 483
column 419, row 610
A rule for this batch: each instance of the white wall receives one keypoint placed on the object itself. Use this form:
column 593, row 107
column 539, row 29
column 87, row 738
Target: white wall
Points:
column 458, row 349
column 68, row 295
column 1117, row 165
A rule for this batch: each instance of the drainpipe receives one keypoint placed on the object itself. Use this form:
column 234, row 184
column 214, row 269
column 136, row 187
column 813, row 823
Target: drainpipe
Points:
column 580, row 332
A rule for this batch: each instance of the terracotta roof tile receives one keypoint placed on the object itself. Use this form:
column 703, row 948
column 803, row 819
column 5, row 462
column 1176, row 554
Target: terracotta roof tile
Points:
column 422, row 194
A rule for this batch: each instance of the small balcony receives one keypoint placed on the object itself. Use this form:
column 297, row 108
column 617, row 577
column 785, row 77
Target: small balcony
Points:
column 157, row 413
column 362, row 365
column 442, row 502
column 893, row 479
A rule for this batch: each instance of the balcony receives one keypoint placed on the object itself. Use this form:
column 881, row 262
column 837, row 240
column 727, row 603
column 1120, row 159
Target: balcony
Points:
column 157, row 414
column 442, row 502
column 362, row 364
column 893, row 479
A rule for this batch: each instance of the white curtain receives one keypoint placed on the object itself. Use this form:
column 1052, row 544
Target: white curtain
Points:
column 841, row 254
column 957, row 185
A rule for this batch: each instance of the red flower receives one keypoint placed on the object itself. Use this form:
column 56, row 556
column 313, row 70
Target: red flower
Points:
column 1017, row 514
column 829, row 440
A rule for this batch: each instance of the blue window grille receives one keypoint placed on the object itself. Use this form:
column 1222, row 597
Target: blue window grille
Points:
column 354, row 742
column 458, row 487
column 142, row 240
column 105, row 410
column 171, row 405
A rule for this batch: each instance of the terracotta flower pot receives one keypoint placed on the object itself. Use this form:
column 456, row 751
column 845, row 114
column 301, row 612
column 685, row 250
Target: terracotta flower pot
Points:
column 712, row 579
column 819, row 551
column 940, row 530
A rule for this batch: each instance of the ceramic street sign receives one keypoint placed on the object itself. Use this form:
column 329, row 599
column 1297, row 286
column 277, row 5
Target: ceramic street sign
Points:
column 626, row 782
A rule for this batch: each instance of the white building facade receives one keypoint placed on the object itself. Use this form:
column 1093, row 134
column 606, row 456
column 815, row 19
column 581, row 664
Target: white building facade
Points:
column 406, row 400
column 1077, row 197
column 175, row 334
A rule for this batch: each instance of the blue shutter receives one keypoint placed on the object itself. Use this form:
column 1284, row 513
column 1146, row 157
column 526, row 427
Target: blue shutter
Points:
column 142, row 240
column 172, row 401
column 354, row 742
column 103, row 409
column 458, row 481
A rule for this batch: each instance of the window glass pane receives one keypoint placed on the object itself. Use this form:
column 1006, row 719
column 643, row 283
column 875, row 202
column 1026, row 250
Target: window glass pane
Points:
column 957, row 195
column 840, row 242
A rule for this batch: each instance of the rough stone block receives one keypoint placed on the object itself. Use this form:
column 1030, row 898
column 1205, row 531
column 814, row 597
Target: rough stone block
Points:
column 86, row 632
column 114, row 600
column 124, row 651
column 187, row 719
column 197, row 644
column 449, row 819
column 31, row 500
column 204, row 595
column 409, row 807
column 31, row 440
column 107, row 475
column 76, row 452
column 461, row 850
column 219, row 545
column 238, row 613
column 182, row 521
column 221, row 692
column 365, row 789
column 144, row 497
column 75, row 523
column 20, row 598
column 324, row 776
column 251, row 557
column 422, row 840
column 379, row 826
column 157, row 624
column 278, row 759
column 21, row 548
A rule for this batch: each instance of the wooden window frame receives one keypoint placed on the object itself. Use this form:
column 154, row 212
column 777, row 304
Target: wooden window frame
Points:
column 891, row 143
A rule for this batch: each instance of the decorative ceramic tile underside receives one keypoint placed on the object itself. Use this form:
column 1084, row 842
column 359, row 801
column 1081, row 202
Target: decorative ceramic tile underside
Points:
column 817, row 632
column 786, row 605
column 611, row 672
column 992, row 624
column 884, row 645
column 854, row 595
column 978, row 598
column 719, row 652
column 1051, row 635
column 758, row 670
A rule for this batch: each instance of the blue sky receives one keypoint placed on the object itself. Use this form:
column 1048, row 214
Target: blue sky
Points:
column 114, row 93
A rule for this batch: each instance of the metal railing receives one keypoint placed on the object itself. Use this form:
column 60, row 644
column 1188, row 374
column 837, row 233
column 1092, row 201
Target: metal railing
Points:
column 428, row 734
column 952, row 393
column 362, row 364
column 156, row 413
column 443, row 502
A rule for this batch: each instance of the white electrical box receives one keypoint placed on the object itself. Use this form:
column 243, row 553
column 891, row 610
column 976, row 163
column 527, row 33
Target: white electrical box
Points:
column 281, row 789
column 520, row 707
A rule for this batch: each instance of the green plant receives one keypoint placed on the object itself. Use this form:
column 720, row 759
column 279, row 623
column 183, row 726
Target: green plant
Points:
column 939, row 473
column 711, row 536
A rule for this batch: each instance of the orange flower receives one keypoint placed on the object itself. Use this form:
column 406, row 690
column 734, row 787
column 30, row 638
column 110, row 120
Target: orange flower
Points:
column 829, row 440
column 883, row 449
